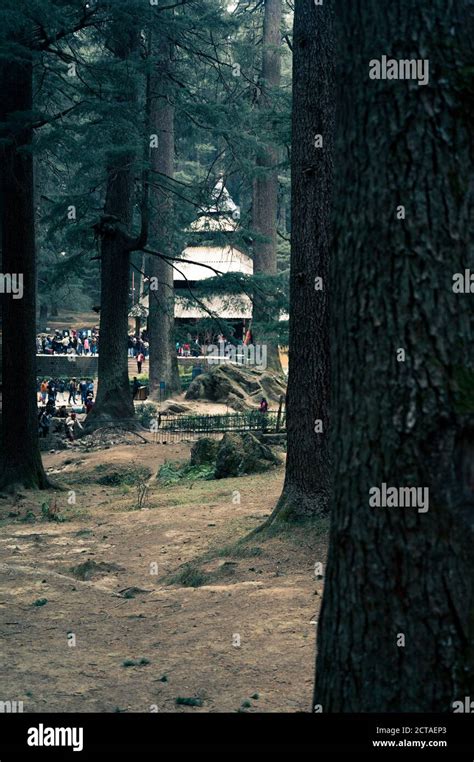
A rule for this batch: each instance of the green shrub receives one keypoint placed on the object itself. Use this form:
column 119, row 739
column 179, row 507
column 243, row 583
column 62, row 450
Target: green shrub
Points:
column 134, row 663
column 180, row 701
column 40, row 602
column 146, row 414
column 189, row 576
column 172, row 473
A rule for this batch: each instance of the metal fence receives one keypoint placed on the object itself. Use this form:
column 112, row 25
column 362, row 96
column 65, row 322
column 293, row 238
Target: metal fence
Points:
column 178, row 428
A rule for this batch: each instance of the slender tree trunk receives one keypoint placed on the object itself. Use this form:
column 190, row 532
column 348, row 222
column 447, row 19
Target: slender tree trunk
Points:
column 43, row 314
column 265, row 191
column 397, row 623
column 114, row 399
column 306, row 490
column 142, row 276
column 21, row 465
column 163, row 360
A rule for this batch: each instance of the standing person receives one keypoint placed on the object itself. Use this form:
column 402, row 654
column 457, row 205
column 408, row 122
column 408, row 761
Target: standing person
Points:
column 72, row 391
column 70, row 423
column 89, row 402
column 86, row 345
column 61, row 387
column 263, row 408
column 140, row 359
column 44, row 390
column 83, row 390
column 52, row 390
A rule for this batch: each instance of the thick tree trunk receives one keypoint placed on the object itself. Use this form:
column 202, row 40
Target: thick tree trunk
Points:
column 306, row 490
column 163, row 360
column 114, row 399
column 21, row 465
column 265, row 190
column 397, row 622
column 114, row 402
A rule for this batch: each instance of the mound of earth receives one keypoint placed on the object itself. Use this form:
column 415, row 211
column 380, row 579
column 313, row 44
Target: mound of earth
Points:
column 239, row 387
column 91, row 569
column 113, row 475
column 110, row 436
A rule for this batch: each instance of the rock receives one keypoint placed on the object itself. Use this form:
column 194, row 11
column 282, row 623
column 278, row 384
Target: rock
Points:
column 237, row 404
column 240, row 387
column 240, row 454
column 54, row 441
column 204, row 451
column 175, row 407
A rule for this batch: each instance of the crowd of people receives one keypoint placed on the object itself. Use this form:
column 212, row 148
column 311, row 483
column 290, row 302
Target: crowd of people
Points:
column 85, row 341
column 197, row 346
column 69, row 341
column 54, row 395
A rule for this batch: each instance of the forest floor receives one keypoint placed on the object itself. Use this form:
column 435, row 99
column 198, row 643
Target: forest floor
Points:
column 108, row 607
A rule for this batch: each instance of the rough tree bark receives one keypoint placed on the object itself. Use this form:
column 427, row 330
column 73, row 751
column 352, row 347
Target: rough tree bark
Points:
column 21, row 465
column 114, row 402
column 265, row 189
column 397, row 622
column 163, row 360
column 306, row 490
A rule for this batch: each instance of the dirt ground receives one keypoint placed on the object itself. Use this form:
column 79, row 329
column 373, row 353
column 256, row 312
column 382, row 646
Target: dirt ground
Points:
column 110, row 607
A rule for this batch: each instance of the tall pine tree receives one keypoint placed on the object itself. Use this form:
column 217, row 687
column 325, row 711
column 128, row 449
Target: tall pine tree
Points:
column 397, row 622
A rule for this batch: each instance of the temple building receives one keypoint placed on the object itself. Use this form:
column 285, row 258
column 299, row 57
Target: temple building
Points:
column 210, row 248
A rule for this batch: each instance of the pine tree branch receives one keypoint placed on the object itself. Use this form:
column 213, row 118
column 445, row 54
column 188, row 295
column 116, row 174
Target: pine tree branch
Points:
column 49, row 120
column 169, row 7
column 87, row 19
column 213, row 316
